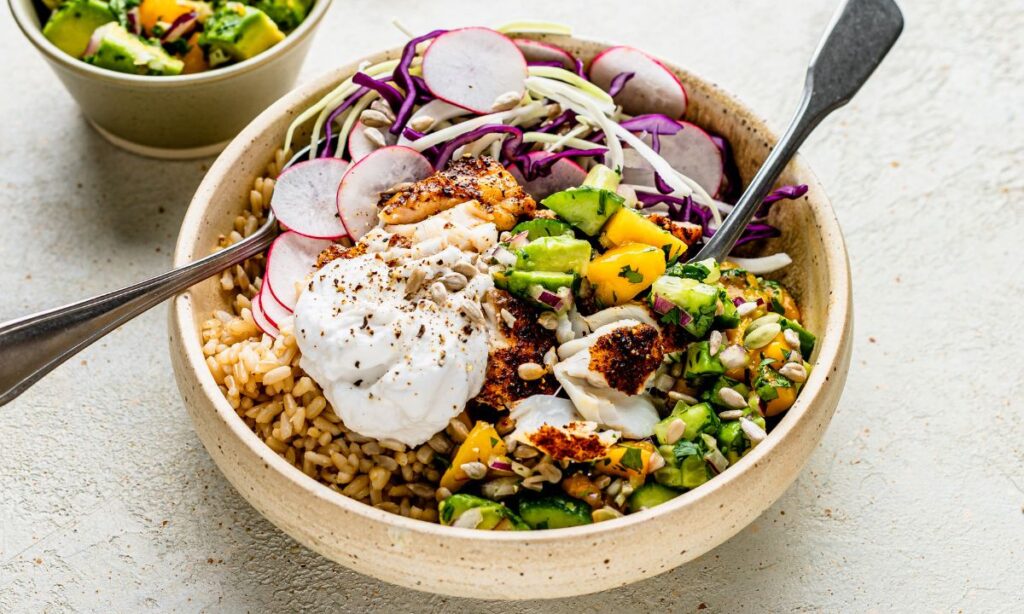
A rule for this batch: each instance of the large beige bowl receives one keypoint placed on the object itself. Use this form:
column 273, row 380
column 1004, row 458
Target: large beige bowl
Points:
column 185, row 116
column 513, row 565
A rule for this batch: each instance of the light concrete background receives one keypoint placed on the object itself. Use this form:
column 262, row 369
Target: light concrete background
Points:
column 914, row 501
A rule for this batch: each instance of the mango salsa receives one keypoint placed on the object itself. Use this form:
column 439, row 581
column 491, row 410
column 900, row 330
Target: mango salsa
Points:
column 621, row 273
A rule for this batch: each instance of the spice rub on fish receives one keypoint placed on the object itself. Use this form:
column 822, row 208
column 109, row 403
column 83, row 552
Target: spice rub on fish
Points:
column 627, row 357
column 517, row 339
column 483, row 180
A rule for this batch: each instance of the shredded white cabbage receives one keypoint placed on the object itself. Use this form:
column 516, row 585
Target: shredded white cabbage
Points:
column 451, row 132
column 764, row 264
column 544, row 137
column 350, row 119
column 571, row 78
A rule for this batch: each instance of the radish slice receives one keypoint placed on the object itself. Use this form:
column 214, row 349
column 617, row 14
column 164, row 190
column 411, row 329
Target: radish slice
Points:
column 473, row 67
column 303, row 198
column 361, row 187
column 690, row 151
column 273, row 310
column 653, row 88
column 565, row 174
column 536, row 51
column 437, row 110
column 261, row 320
column 359, row 146
column 290, row 259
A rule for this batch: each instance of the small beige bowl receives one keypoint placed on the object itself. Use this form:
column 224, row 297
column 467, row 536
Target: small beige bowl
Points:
column 186, row 116
column 514, row 565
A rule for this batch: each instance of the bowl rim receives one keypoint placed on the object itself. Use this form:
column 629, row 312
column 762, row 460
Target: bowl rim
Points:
column 833, row 336
column 26, row 23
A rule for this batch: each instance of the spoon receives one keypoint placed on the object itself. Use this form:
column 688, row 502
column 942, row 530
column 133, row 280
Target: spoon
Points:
column 861, row 34
column 859, row 37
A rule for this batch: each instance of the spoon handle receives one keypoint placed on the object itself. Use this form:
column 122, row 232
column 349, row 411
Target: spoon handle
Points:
column 859, row 37
column 32, row 346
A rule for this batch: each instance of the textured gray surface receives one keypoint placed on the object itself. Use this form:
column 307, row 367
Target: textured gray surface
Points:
column 914, row 502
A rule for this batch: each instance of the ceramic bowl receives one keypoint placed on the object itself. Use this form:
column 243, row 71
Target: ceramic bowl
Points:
column 515, row 565
column 185, row 116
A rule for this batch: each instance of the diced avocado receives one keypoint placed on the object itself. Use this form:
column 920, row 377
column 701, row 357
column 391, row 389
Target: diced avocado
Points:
column 711, row 395
column 521, row 282
column 700, row 364
column 554, row 512
column 238, row 32
column 560, row 254
column 287, row 14
column 542, row 227
column 124, row 52
column 585, row 207
column 767, row 381
column 706, row 271
column 650, row 495
column 695, row 303
column 495, row 516
column 728, row 318
column 807, row 339
column 71, row 26
column 699, row 418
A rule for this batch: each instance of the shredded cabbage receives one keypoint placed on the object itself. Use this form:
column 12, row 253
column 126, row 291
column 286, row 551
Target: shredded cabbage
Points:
column 561, row 74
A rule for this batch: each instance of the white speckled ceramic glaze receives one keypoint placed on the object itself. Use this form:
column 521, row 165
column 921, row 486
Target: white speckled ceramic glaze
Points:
column 185, row 116
column 515, row 565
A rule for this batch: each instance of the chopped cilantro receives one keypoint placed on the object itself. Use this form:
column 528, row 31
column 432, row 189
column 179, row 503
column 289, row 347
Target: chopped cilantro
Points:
column 633, row 459
column 632, row 275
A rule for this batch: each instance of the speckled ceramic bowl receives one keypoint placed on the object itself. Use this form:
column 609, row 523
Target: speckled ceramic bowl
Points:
column 516, row 565
column 186, row 116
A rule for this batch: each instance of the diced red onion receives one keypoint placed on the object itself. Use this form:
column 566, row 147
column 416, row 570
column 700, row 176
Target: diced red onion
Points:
column 134, row 25
column 94, row 43
column 684, row 318
column 519, row 240
column 500, row 465
column 739, row 300
column 181, row 26
column 550, row 299
column 662, row 305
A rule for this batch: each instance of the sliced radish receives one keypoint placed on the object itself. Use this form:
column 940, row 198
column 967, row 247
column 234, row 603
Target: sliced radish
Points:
column 359, row 146
column 273, row 310
column 290, row 259
column 536, row 51
column 361, row 187
column 473, row 67
column 565, row 174
column 437, row 110
column 653, row 88
column 303, row 198
column 690, row 151
column 261, row 319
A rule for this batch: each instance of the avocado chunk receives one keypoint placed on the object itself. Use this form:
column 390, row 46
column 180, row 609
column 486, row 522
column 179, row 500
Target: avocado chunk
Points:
column 649, row 495
column 287, row 14
column 493, row 515
column 238, row 32
column 71, row 26
column 585, row 207
column 706, row 271
column 728, row 318
column 554, row 512
column 542, row 227
column 700, row 364
column 124, row 52
column 699, row 418
column 521, row 282
column 695, row 303
column 560, row 254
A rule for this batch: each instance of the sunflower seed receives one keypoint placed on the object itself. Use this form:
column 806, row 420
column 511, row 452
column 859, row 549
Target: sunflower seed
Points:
column 679, row 396
column 422, row 123
column 438, row 293
column 550, row 357
column 508, row 318
column 664, row 382
column 374, row 136
column 521, row 470
column 469, row 519
column 454, row 281
column 733, row 357
column 605, row 513
column 415, row 281
column 530, row 371
column 474, row 470
column 754, row 433
column 795, row 356
column 674, row 431
column 372, row 118
column 731, row 398
column 534, row 482
column 745, row 309
column 792, row 339
column 506, row 101
column 472, row 311
column 465, row 268
column 657, row 462
column 500, row 488
column 715, row 342
column 380, row 105
column 761, row 336
column 732, row 414
column 793, row 371
column 549, row 472
column 548, row 320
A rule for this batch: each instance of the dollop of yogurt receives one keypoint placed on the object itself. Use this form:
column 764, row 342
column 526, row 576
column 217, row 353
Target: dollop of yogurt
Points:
column 396, row 357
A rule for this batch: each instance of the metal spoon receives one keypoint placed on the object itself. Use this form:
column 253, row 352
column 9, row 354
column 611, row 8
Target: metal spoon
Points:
column 859, row 37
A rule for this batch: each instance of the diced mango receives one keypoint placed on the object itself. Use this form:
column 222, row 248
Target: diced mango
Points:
column 630, row 460
column 481, row 444
column 621, row 273
column 628, row 226
column 782, row 402
column 152, row 11
column 194, row 59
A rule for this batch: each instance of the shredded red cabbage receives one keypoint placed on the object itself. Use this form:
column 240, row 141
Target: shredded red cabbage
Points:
column 507, row 148
column 579, row 68
column 730, row 191
column 406, row 81
column 535, row 166
column 618, row 82
column 558, row 122
column 388, row 93
column 348, row 102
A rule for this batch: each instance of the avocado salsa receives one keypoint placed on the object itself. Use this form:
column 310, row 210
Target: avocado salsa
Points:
column 169, row 37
